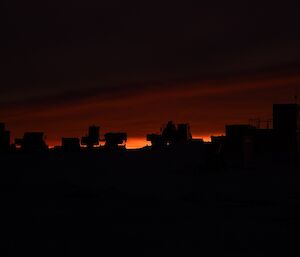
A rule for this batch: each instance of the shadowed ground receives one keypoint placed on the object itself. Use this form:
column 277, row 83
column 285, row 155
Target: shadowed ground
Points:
column 145, row 204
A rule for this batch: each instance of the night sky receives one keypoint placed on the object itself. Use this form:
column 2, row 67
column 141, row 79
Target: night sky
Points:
column 132, row 66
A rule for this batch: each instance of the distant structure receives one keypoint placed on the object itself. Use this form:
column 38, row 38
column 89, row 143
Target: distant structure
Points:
column 70, row 144
column 175, row 146
column 171, row 135
column 93, row 137
column 32, row 142
column 217, row 145
column 156, row 140
column 239, row 139
column 244, row 145
column 115, row 140
column 4, row 139
column 248, row 143
column 286, row 125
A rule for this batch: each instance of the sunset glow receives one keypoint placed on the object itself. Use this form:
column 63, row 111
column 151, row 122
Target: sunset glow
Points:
column 207, row 106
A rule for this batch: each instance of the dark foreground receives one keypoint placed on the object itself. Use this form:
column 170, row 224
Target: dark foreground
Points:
column 145, row 205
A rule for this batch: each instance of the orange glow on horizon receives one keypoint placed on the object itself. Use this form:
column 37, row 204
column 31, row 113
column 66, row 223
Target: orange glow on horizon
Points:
column 135, row 143
column 207, row 106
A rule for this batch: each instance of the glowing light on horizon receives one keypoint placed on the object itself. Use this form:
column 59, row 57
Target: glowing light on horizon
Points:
column 139, row 142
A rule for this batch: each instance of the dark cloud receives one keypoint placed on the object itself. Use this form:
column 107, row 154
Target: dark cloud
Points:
column 64, row 44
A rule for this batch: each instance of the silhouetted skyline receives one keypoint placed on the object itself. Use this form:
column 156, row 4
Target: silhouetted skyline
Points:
column 133, row 65
column 232, row 195
column 283, row 116
column 196, row 82
column 242, row 145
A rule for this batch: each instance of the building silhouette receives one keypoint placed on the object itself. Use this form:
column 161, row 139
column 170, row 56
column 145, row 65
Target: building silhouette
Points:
column 286, row 125
column 171, row 135
column 239, row 143
column 246, row 144
column 93, row 137
column 115, row 140
column 32, row 142
column 243, row 144
column 4, row 138
column 156, row 140
column 70, row 144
